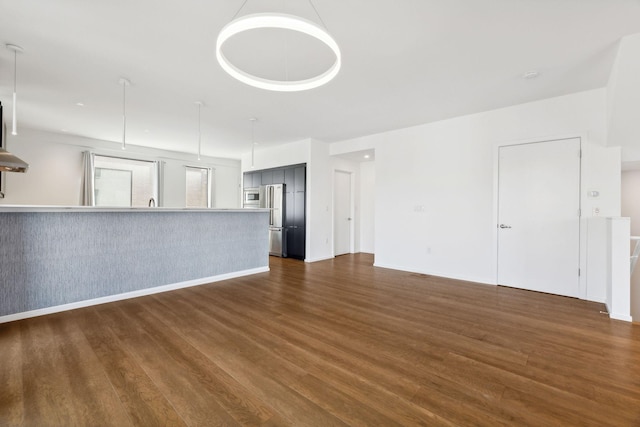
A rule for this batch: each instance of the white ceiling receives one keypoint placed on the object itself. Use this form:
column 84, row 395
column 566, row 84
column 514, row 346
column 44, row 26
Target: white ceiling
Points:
column 405, row 62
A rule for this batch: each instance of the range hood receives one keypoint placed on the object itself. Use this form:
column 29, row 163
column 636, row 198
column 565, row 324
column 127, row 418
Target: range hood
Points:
column 11, row 163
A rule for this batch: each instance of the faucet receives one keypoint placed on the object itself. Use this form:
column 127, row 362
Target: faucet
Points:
column 152, row 202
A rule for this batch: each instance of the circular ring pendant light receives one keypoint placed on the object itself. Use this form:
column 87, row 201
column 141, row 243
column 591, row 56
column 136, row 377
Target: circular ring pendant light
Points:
column 280, row 21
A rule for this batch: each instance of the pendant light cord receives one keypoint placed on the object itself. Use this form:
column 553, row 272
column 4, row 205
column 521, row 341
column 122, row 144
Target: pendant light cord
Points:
column 199, row 130
column 317, row 14
column 253, row 141
column 14, row 119
column 15, row 70
column 124, row 114
column 234, row 16
column 310, row 2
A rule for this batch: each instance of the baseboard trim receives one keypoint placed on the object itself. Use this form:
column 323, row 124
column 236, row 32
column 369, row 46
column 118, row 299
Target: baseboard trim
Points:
column 318, row 259
column 431, row 273
column 129, row 295
column 622, row 317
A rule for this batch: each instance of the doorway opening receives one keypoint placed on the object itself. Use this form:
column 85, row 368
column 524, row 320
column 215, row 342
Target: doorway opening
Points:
column 342, row 213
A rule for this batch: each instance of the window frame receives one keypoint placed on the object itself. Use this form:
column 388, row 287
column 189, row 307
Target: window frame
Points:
column 155, row 174
column 210, row 172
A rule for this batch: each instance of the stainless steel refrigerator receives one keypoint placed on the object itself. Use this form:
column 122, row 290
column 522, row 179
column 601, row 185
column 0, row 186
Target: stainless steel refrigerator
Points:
column 272, row 197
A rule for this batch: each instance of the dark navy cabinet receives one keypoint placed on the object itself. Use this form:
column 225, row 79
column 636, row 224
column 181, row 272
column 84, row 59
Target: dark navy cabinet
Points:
column 252, row 179
column 295, row 217
column 278, row 176
column 267, row 178
column 295, row 186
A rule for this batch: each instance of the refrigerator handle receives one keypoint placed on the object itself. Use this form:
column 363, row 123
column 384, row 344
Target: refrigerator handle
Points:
column 270, row 204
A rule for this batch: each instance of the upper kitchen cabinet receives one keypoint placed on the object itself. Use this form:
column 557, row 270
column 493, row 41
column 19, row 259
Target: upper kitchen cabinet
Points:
column 290, row 179
column 278, row 176
column 251, row 179
column 267, row 178
column 300, row 178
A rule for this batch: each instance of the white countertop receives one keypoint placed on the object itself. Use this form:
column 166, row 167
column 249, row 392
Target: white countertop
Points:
column 53, row 208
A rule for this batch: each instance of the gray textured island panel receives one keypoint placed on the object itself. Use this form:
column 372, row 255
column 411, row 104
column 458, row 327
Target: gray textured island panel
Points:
column 54, row 258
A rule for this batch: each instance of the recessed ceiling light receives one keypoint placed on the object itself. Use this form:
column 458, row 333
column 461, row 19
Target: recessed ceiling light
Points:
column 530, row 75
column 80, row 104
column 366, row 156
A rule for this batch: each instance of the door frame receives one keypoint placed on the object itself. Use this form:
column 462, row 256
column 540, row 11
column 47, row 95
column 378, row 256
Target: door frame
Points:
column 582, row 279
column 351, row 211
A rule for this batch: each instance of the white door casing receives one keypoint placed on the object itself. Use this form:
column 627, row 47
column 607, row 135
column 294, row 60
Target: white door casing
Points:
column 538, row 216
column 342, row 216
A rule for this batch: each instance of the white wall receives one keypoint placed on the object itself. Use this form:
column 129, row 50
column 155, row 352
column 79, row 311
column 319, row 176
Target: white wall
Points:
column 367, row 207
column 618, row 280
column 631, row 209
column 320, row 202
column 601, row 168
column 435, row 184
column 55, row 172
column 597, row 258
column 292, row 153
column 623, row 98
column 601, row 172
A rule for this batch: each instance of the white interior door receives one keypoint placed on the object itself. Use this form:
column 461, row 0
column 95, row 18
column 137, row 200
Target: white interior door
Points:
column 538, row 216
column 342, row 219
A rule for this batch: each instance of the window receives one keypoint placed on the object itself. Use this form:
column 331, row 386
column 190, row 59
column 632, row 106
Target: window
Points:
column 124, row 182
column 198, row 190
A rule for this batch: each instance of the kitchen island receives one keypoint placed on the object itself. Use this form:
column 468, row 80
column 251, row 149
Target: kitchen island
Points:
column 58, row 258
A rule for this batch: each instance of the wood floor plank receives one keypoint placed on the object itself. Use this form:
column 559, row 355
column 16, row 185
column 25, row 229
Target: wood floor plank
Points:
column 144, row 403
column 246, row 353
column 337, row 342
column 572, row 407
column 196, row 387
column 64, row 383
column 415, row 372
column 308, row 340
column 272, row 348
column 11, row 398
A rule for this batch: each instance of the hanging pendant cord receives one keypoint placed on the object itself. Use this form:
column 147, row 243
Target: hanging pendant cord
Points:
column 199, row 131
column 15, row 69
column 319, row 17
column 14, row 119
column 234, row 16
column 124, row 115
column 253, row 142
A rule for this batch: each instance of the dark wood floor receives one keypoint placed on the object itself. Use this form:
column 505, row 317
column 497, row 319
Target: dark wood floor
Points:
column 331, row 343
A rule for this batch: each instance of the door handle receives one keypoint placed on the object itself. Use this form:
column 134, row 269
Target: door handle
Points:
column 504, row 226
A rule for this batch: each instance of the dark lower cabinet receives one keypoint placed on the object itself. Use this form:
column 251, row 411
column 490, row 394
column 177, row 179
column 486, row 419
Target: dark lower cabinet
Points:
column 295, row 181
column 295, row 242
